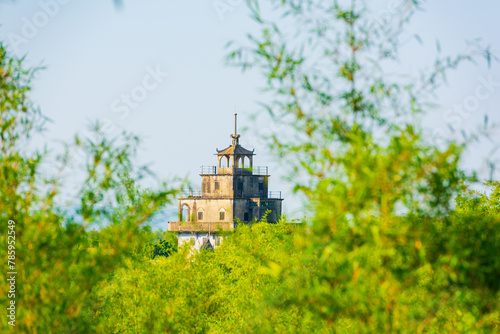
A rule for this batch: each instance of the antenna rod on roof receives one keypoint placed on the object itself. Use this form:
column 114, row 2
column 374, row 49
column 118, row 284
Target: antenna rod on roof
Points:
column 235, row 123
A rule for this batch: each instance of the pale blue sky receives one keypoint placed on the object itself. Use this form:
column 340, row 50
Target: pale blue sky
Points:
column 94, row 54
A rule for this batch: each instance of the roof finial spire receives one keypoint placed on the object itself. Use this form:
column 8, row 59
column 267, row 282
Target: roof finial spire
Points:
column 236, row 136
column 235, row 123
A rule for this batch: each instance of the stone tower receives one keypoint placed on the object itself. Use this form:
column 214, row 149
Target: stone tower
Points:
column 232, row 191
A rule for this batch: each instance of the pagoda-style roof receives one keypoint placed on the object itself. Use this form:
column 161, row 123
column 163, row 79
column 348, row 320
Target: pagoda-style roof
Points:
column 235, row 150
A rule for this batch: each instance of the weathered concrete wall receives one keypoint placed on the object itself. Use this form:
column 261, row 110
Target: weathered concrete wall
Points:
column 210, row 207
column 256, row 208
column 238, row 186
column 247, row 186
column 242, row 206
column 243, row 209
column 199, row 227
column 208, row 186
column 274, row 205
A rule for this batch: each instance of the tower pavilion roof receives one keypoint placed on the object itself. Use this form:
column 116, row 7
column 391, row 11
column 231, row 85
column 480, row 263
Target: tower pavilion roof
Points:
column 235, row 150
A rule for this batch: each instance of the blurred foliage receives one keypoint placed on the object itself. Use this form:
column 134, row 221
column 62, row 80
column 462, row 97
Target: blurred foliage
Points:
column 422, row 275
column 397, row 241
column 222, row 291
column 392, row 253
column 58, row 262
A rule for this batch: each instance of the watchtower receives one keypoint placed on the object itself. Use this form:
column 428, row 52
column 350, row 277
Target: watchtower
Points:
column 232, row 191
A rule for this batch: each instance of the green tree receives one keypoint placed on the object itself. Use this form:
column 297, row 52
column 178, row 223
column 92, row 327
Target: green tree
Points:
column 217, row 292
column 165, row 244
column 56, row 269
column 380, row 191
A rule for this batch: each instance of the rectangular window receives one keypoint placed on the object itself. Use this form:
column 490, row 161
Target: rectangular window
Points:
column 200, row 215
column 245, row 217
column 222, row 215
column 240, row 185
column 217, row 186
column 261, row 186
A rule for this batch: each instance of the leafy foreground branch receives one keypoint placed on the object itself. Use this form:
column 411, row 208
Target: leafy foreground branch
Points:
column 56, row 268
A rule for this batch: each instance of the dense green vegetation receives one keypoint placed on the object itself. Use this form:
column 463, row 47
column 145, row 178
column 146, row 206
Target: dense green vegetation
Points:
column 397, row 242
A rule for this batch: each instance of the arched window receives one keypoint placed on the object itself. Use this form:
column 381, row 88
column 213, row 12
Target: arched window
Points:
column 224, row 161
column 222, row 214
column 200, row 214
column 184, row 213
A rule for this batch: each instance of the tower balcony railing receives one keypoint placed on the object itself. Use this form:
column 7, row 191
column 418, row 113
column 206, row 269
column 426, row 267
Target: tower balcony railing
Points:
column 213, row 227
column 274, row 194
column 208, row 170
column 189, row 193
column 260, row 170
column 197, row 193
column 257, row 170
